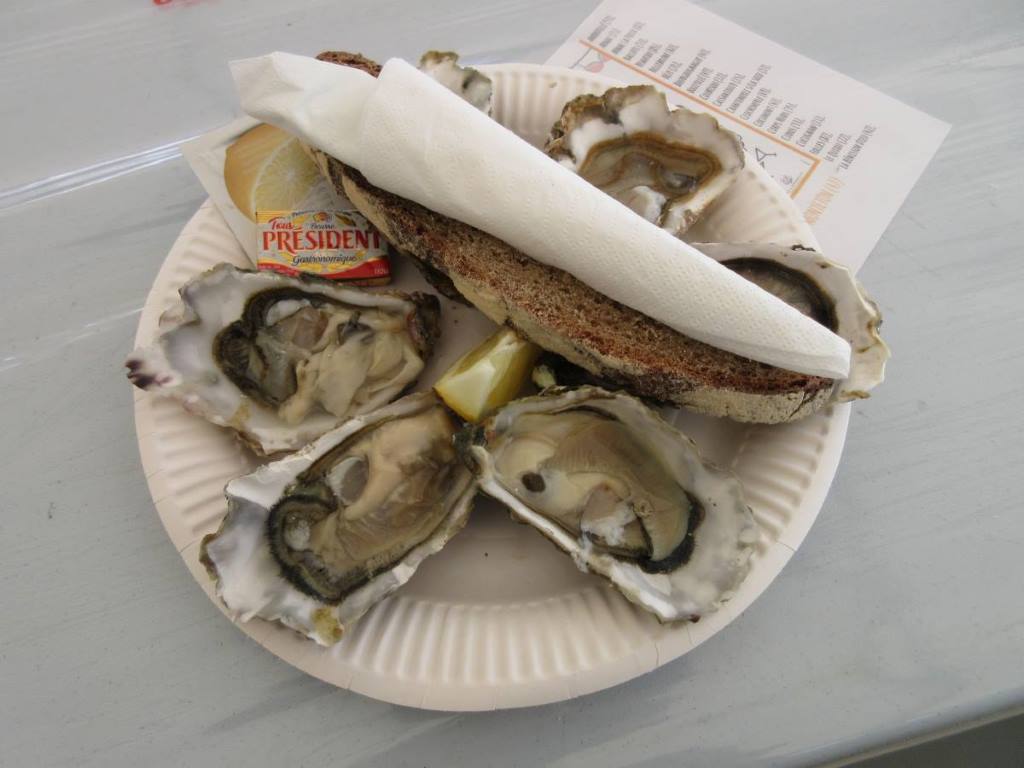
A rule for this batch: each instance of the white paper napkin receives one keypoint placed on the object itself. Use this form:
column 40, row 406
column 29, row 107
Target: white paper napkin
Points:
column 413, row 137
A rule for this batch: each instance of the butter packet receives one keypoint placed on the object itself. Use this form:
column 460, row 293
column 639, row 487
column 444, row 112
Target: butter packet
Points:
column 332, row 244
column 251, row 169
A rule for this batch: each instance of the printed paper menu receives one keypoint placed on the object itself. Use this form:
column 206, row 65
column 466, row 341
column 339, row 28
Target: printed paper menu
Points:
column 847, row 154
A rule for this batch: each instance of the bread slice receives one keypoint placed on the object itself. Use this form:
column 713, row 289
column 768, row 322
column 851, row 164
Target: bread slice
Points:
column 563, row 315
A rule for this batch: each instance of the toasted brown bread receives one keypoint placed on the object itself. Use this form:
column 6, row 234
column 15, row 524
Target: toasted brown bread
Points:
column 560, row 313
column 355, row 60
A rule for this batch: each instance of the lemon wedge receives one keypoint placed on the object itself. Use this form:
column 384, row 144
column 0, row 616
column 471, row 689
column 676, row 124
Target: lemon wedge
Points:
column 267, row 169
column 488, row 376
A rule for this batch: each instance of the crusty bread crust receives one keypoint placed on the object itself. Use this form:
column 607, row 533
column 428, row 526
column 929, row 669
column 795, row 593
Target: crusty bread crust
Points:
column 557, row 311
column 564, row 315
column 354, row 60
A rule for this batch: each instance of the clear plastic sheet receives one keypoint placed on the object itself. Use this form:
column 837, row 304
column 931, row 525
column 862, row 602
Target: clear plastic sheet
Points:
column 890, row 622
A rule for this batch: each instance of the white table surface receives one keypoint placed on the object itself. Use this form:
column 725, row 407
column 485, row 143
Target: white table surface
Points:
column 901, row 614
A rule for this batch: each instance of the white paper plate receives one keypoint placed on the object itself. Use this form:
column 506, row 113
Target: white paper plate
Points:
column 500, row 618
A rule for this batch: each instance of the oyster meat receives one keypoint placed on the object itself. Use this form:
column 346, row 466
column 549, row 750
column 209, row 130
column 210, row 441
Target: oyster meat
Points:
column 623, row 492
column 315, row 539
column 666, row 164
column 822, row 290
column 471, row 84
column 283, row 360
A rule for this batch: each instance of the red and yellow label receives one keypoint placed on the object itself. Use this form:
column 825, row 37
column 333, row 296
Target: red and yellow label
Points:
column 338, row 245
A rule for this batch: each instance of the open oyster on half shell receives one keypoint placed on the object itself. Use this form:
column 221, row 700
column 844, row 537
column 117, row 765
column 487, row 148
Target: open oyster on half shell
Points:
column 317, row 538
column 625, row 494
column 282, row 360
column 469, row 83
column 824, row 291
column 667, row 164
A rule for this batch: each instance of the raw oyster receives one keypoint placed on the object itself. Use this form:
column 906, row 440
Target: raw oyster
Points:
column 315, row 539
column 283, row 360
column 822, row 290
column 471, row 84
column 666, row 164
column 625, row 494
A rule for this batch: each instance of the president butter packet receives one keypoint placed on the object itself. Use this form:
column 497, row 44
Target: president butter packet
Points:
column 338, row 245
column 251, row 169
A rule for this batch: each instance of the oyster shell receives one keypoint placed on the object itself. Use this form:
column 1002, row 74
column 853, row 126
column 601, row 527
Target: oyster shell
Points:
column 668, row 165
column 626, row 495
column 471, row 84
column 823, row 290
column 283, row 360
column 315, row 539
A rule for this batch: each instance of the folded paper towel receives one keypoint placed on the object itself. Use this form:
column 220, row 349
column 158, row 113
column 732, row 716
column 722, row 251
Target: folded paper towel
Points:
column 411, row 136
